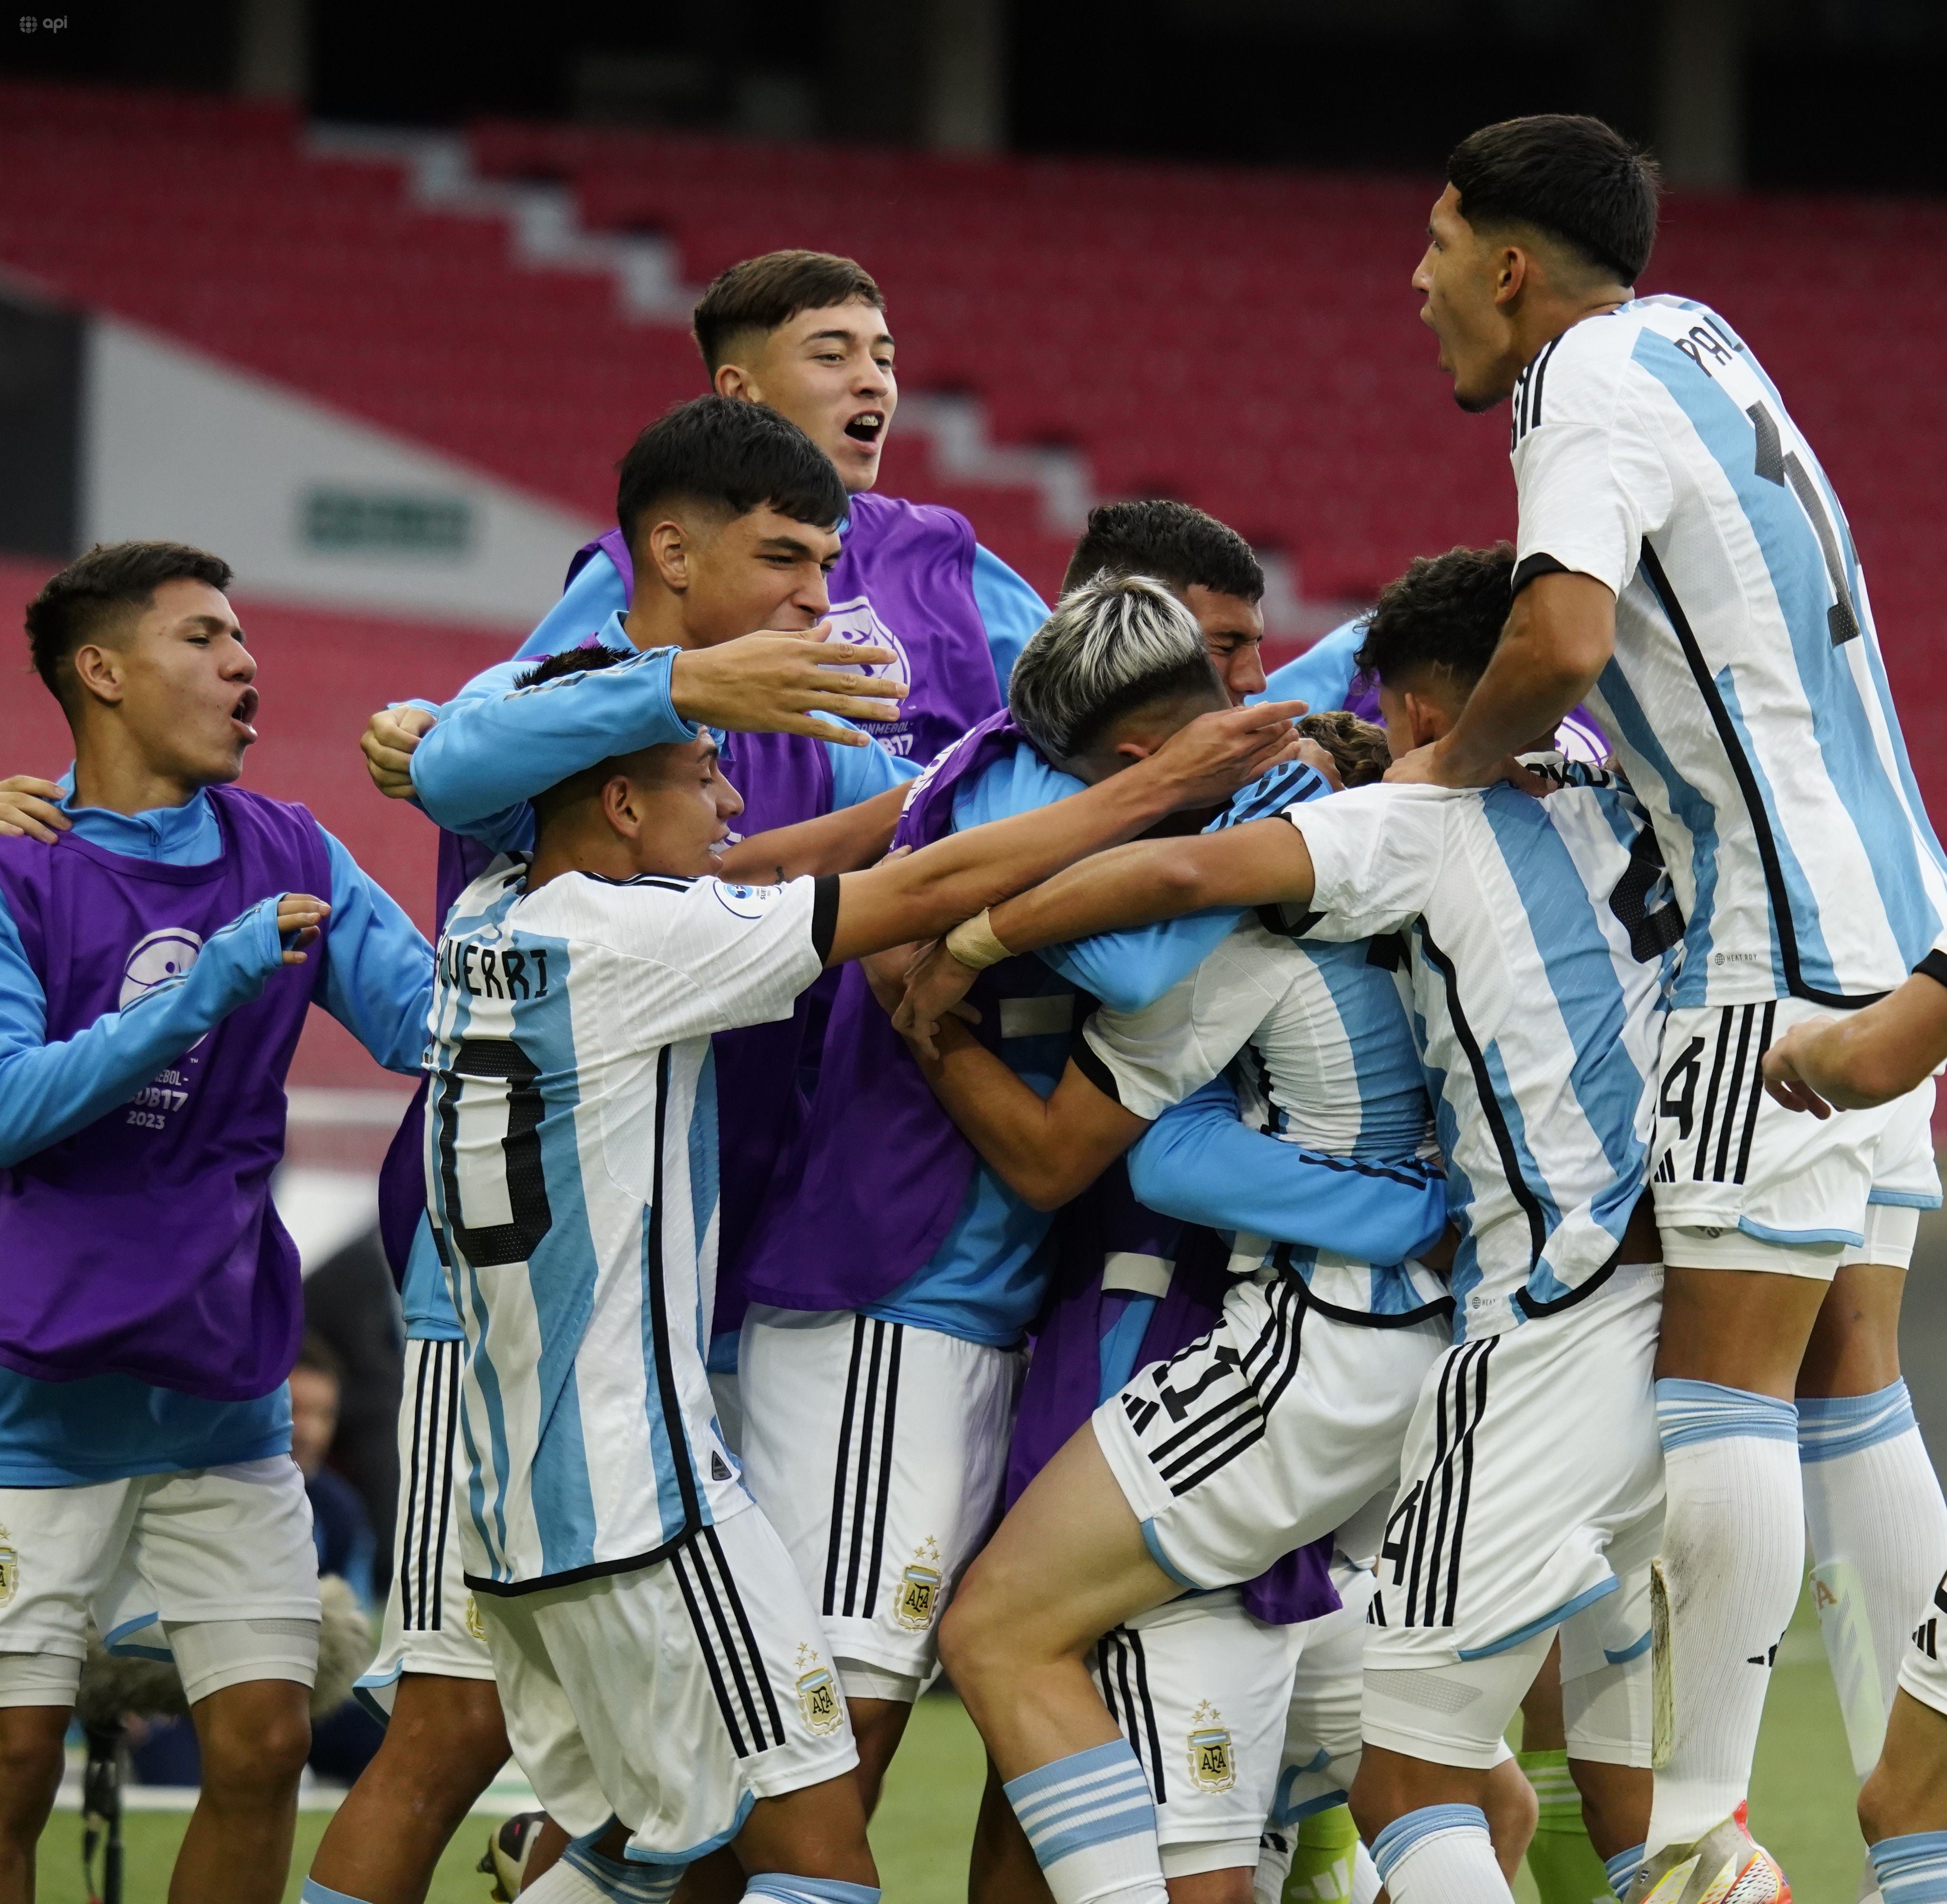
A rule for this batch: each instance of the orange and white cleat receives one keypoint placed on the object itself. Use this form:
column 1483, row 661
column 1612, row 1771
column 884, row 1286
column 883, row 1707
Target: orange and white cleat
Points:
column 1722, row 1867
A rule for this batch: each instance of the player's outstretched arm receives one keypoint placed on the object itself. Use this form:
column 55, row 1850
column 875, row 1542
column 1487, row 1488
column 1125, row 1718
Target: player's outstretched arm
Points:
column 846, row 840
column 1199, row 1162
column 1560, row 634
column 921, row 895
column 1263, row 862
column 48, row 1091
column 1866, row 1057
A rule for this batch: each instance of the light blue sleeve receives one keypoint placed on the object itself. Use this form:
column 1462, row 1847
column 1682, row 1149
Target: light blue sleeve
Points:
column 861, row 773
column 1322, row 676
column 495, row 744
column 1199, row 1162
column 1010, row 610
column 378, row 979
column 50, row 1091
column 1128, row 970
column 585, row 605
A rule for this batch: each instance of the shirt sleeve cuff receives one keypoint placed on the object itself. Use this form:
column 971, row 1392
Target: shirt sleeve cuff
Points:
column 1933, row 966
column 1530, row 567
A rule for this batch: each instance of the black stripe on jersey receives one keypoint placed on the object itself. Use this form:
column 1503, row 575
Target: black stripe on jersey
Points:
column 823, row 915
column 1491, row 1106
column 734, row 1600
column 1235, row 1420
column 1757, row 1086
column 1464, row 1399
column 659, row 1322
column 1783, row 923
column 1733, row 1100
column 1710, row 1098
column 1933, row 966
column 862, row 1475
column 1541, row 363
column 1283, row 787
column 1125, row 1668
column 422, row 1567
column 1359, row 1318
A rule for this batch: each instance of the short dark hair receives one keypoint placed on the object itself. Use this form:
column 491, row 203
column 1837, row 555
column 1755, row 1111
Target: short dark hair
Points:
column 1357, row 747
column 732, row 455
column 1446, row 611
column 1179, row 545
column 589, row 658
column 112, row 578
column 761, row 294
column 1569, row 176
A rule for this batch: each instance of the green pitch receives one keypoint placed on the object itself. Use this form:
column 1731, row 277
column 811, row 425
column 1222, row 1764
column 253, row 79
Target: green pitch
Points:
column 1802, row 1806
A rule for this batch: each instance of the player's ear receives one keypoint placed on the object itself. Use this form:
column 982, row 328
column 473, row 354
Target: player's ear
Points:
column 733, row 380
column 99, row 668
column 668, row 547
column 1429, row 719
column 1512, row 269
column 622, row 805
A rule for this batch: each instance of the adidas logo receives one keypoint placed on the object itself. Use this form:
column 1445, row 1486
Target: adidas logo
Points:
column 719, row 1468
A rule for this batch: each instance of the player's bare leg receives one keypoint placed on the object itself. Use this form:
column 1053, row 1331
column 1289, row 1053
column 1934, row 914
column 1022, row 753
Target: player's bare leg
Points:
column 1872, row 1502
column 444, row 1743
column 877, row 1726
column 1067, row 1563
column 550, row 1841
column 1512, row 1811
column 1001, row 1869
column 1907, row 1793
column 1734, row 1542
column 254, row 1737
column 30, row 1776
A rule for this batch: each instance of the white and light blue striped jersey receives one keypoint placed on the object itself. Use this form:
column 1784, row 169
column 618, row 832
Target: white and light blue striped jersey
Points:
column 1536, row 935
column 571, row 1175
column 1746, row 698
column 1317, row 1038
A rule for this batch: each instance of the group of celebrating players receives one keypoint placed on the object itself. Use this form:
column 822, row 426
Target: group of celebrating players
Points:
column 1259, row 1239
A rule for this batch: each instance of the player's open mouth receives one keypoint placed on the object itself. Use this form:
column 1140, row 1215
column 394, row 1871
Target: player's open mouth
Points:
column 245, row 712
column 866, row 426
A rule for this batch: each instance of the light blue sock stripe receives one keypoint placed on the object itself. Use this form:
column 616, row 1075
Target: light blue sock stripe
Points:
column 313, row 1893
column 1912, row 1869
column 1690, row 1411
column 810, row 1890
column 1090, row 1797
column 1830, row 1426
column 1622, row 1867
column 1403, row 1834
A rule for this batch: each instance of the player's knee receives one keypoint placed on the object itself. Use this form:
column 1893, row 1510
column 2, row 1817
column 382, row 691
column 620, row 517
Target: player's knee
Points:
column 1879, row 1806
column 447, row 1739
column 254, row 1745
column 31, row 1761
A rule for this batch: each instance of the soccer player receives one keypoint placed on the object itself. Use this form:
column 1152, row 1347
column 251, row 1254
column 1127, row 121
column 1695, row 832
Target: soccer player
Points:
column 805, row 333
column 665, row 1680
column 1535, row 957
column 881, row 1361
column 158, row 956
column 731, row 510
column 1684, row 564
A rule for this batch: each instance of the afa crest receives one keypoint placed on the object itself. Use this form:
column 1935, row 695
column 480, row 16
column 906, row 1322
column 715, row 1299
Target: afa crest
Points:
column 475, row 1624
column 10, row 1567
column 917, row 1598
column 1213, row 1767
column 818, row 1693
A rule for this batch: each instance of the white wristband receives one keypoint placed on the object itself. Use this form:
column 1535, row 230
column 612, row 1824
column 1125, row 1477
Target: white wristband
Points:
column 973, row 942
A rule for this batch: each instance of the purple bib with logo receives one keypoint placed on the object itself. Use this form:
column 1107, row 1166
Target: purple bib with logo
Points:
column 880, row 1171
column 146, row 1245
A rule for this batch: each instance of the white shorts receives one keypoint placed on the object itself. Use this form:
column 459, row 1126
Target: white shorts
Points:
column 1531, row 1493
column 432, row 1623
column 1922, row 1671
column 1319, row 1756
column 1269, row 1431
column 1742, row 1183
column 879, row 1450
column 225, row 1553
column 1199, row 1688
column 672, row 1697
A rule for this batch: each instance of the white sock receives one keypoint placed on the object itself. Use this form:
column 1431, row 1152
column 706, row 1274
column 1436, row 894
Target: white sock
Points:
column 1733, row 1556
column 1091, row 1820
column 1367, row 1882
column 584, row 1876
column 564, row 1884
column 1879, row 1546
column 1440, row 1854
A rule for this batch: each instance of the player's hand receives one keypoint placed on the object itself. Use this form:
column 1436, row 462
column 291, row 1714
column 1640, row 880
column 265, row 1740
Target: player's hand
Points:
column 300, row 920
column 390, row 737
column 937, row 985
column 776, row 683
column 28, row 806
column 1781, row 1079
column 1433, row 765
column 886, row 972
column 1216, row 754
